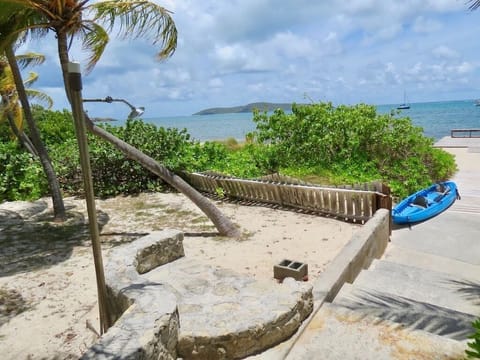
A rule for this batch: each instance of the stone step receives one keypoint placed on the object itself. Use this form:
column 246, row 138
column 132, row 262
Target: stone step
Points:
column 228, row 315
column 412, row 314
column 419, row 259
column 337, row 333
column 427, row 286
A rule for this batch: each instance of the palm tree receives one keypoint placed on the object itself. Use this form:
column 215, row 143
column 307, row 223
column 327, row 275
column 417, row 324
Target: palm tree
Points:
column 10, row 102
column 8, row 38
column 73, row 18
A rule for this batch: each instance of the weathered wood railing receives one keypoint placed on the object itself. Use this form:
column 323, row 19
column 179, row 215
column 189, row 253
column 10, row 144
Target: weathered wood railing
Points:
column 351, row 203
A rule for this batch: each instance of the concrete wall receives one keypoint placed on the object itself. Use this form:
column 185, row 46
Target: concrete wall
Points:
column 368, row 243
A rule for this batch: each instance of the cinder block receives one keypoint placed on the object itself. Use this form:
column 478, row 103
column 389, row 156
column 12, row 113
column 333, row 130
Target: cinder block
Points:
column 290, row 268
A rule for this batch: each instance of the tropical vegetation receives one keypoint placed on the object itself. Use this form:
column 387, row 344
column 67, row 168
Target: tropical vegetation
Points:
column 84, row 19
column 319, row 143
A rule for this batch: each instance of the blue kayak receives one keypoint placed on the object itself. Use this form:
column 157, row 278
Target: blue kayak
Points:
column 425, row 203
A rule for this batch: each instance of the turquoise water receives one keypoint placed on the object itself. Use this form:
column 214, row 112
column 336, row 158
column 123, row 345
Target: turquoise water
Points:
column 436, row 119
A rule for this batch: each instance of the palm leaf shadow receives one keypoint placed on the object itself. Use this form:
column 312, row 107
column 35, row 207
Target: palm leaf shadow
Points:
column 412, row 314
column 469, row 289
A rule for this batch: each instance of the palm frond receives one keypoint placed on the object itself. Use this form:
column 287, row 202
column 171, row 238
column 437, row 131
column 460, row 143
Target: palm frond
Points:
column 137, row 19
column 19, row 20
column 32, row 77
column 474, row 4
column 94, row 41
column 30, row 59
column 40, row 96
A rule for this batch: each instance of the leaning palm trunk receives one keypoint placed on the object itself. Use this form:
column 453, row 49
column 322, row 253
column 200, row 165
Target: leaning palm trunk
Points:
column 222, row 223
column 57, row 200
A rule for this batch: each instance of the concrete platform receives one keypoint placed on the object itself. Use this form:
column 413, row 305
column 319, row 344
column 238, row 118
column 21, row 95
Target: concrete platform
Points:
column 421, row 285
column 419, row 259
column 448, row 142
column 338, row 333
column 410, row 313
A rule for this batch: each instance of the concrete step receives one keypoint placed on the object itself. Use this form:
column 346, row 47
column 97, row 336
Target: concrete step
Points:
column 427, row 286
column 406, row 256
column 412, row 314
column 451, row 234
column 337, row 333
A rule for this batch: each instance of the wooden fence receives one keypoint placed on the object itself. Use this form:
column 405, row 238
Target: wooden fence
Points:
column 356, row 203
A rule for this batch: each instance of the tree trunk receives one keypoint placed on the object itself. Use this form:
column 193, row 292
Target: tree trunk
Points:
column 57, row 200
column 223, row 224
column 20, row 135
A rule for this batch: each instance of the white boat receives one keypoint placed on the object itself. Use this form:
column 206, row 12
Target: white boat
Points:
column 405, row 105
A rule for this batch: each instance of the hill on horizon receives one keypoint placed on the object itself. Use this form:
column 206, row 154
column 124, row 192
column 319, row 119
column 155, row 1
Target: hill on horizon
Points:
column 262, row 106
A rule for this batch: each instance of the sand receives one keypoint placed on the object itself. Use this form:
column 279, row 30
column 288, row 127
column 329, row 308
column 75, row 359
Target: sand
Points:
column 48, row 297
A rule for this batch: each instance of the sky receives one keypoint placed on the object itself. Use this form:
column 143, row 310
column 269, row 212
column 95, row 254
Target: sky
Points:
column 236, row 52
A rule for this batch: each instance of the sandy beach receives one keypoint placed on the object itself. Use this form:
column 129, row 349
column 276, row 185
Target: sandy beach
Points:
column 48, row 292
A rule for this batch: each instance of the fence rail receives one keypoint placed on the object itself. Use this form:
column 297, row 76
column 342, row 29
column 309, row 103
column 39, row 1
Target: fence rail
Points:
column 465, row 133
column 356, row 203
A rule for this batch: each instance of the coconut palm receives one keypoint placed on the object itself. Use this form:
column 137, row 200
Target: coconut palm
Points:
column 71, row 19
column 9, row 22
column 10, row 102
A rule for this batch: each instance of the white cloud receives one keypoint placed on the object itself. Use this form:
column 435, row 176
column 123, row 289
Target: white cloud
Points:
column 426, row 25
column 445, row 52
column 240, row 50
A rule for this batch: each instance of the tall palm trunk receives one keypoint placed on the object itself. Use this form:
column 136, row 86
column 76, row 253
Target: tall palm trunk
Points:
column 223, row 224
column 57, row 200
column 19, row 134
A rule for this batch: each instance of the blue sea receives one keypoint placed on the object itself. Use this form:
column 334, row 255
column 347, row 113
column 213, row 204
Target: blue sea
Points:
column 436, row 119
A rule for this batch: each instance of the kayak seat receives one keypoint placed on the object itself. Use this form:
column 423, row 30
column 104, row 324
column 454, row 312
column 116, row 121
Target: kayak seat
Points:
column 421, row 201
column 441, row 188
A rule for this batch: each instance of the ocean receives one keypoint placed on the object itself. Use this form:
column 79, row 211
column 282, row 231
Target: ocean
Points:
column 436, row 119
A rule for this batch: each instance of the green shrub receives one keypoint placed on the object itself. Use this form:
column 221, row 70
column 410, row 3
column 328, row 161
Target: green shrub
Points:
column 55, row 126
column 344, row 144
column 354, row 143
column 21, row 176
column 473, row 351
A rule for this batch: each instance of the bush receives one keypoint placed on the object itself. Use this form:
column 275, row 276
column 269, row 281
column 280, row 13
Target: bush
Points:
column 473, row 351
column 354, row 143
column 21, row 176
column 344, row 144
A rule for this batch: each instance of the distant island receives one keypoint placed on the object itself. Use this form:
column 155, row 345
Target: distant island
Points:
column 262, row 106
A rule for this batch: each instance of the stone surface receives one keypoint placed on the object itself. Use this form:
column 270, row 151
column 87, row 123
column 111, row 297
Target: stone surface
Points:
column 152, row 253
column 224, row 315
column 25, row 209
column 337, row 333
column 146, row 313
column 195, row 310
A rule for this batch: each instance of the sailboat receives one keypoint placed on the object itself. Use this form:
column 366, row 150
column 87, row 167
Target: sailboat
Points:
column 404, row 105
